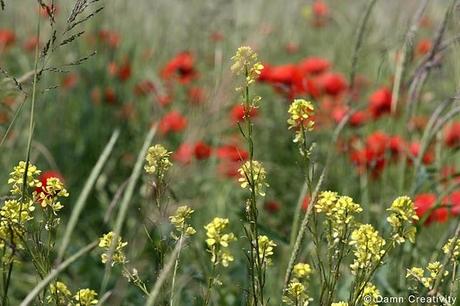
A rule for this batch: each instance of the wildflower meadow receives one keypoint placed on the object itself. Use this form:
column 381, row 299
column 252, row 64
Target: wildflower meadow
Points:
column 211, row 152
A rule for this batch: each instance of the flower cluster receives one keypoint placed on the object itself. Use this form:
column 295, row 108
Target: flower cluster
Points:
column 339, row 211
column 253, row 176
column 16, row 179
column 59, row 294
column 157, row 161
column 340, row 304
column 296, row 291
column 428, row 277
column 105, row 243
column 180, row 219
column 402, row 215
column 218, row 241
column 265, row 249
column 245, row 62
column 301, row 112
column 14, row 214
column 448, row 247
column 368, row 245
column 370, row 291
column 49, row 194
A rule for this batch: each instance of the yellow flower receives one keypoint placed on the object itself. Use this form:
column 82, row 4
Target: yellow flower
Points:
column 49, row 194
column 433, row 270
column 456, row 250
column 218, row 241
column 370, row 291
column 300, row 119
column 295, row 294
column 266, row 247
column 105, row 243
column 301, row 270
column 245, row 62
column 59, row 294
column 86, row 297
column 157, row 161
column 253, row 175
column 13, row 216
column 340, row 304
column 17, row 177
column 326, row 201
column 401, row 219
column 183, row 213
column 368, row 246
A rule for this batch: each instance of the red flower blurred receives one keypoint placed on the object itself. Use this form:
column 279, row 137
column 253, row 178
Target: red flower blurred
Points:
column 124, row 71
column 69, row 81
column 239, row 112
column 232, row 153
column 110, row 96
column 452, row 135
column 306, row 203
column 7, row 38
column 172, row 122
column 314, row 65
column 320, row 13
column 424, row 46
column 164, row 100
column 453, row 202
column 31, row 43
column 184, row 154
column 414, row 150
column 291, row 48
column 181, row 68
column 380, row 102
column 272, row 206
column 424, row 203
column 202, row 150
column 333, row 83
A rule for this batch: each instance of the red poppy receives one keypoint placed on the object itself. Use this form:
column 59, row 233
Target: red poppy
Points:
column 424, row 204
column 380, row 102
column 172, row 122
column 239, row 112
column 320, row 13
column 124, row 71
column 110, row 96
column 7, row 38
column 144, row 88
column 284, row 78
column 453, row 201
column 272, row 206
column 424, row 46
column 314, row 65
column 397, row 145
column 333, row 83
column 452, row 135
column 184, row 154
column 414, row 150
column 232, row 153
column 229, row 168
column 181, row 67
column 202, row 150
column 164, row 100
column 306, row 203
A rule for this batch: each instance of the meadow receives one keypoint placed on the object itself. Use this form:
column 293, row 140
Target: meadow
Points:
column 211, row 152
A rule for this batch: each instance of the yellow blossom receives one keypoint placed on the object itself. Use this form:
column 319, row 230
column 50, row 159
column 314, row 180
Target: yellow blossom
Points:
column 370, row 291
column 300, row 119
column 340, row 304
column 402, row 215
column 266, row 247
column 105, row 243
column 218, row 241
column 17, row 177
column 295, row 294
column 368, row 246
column 455, row 251
column 59, row 294
column 49, row 194
column 86, row 297
column 245, row 62
column 301, row 270
column 253, row 176
column 179, row 220
column 157, row 161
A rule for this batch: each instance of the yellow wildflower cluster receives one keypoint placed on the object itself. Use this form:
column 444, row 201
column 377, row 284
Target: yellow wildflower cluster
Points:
column 300, row 119
column 402, row 215
column 61, row 295
column 426, row 278
column 49, row 194
column 455, row 250
column 157, row 161
column 253, row 176
column 339, row 211
column 245, row 62
column 368, row 246
column 340, row 304
column 372, row 295
column 296, row 291
column 17, row 177
column 13, row 216
column 118, row 256
column 179, row 220
column 218, row 241
column 266, row 246
column 86, row 297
